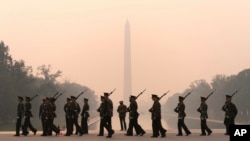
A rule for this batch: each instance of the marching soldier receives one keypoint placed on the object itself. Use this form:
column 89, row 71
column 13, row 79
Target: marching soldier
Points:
column 230, row 113
column 101, row 113
column 76, row 110
column 27, row 116
column 42, row 115
column 51, row 120
column 203, row 116
column 156, row 118
column 133, row 118
column 85, row 116
column 68, row 117
column 108, row 113
column 180, row 109
column 122, row 110
column 20, row 114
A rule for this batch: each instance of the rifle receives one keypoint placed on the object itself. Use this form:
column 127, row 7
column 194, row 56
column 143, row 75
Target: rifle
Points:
column 188, row 94
column 235, row 92
column 55, row 94
column 58, row 96
column 210, row 94
column 81, row 93
column 140, row 93
column 33, row 97
column 112, row 92
column 163, row 95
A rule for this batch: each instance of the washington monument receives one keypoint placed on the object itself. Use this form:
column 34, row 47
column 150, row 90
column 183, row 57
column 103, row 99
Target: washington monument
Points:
column 127, row 63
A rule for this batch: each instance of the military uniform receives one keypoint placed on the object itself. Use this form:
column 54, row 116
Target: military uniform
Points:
column 68, row 117
column 156, row 118
column 108, row 113
column 180, row 109
column 133, row 118
column 20, row 114
column 76, row 110
column 85, row 116
column 27, row 116
column 42, row 115
column 122, row 110
column 230, row 113
column 203, row 116
column 51, row 120
column 101, row 113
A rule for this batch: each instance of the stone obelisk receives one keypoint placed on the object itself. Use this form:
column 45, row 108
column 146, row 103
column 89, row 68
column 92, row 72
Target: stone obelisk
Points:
column 127, row 64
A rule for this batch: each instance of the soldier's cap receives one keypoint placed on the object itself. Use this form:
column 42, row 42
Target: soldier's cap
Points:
column 85, row 99
column 228, row 96
column 47, row 98
column 102, row 97
column 106, row 94
column 43, row 99
column 68, row 99
column 19, row 97
column 181, row 98
column 154, row 95
column 27, row 98
column 203, row 98
column 120, row 101
column 132, row 96
column 72, row 97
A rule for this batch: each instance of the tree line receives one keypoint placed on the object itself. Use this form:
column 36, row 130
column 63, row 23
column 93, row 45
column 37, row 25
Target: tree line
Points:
column 17, row 79
column 224, row 85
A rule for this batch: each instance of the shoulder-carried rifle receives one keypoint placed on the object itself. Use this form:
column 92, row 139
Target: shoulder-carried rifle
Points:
column 140, row 93
column 33, row 97
column 210, row 94
column 235, row 92
column 187, row 94
column 81, row 93
column 112, row 92
column 163, row 95
column 57, row 93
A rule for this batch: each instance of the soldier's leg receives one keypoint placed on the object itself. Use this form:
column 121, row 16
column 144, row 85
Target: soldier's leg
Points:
column 203, row 133
column 130, row 127
column 121, row 124
column 155, row 128
column 138, row 128
column 162, row 130
column 18, row 126
column 25, row 127
column 179, row 125
column 185, row 128
column 209, row 131
column 226, row 123
column 101, row 127
column 124, row 121
column 31, row 127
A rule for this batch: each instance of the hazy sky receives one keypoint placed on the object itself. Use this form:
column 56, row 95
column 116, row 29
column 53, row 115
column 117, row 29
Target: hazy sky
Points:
column 173, row 42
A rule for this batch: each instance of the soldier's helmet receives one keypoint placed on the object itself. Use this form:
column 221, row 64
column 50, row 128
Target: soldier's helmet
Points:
column 72, row 97
column 228, row 97
column 132, row 96
column 27, row 98
column 106, row 94
column 21, row 98
column 85, row 99
column 203, row 98
column 154, row 95
column 181, row 98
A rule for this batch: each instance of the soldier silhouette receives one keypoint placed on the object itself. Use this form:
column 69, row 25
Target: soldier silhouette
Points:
column 180, row 109
column 122, row 110
column 203, row 116
column 230, row 113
